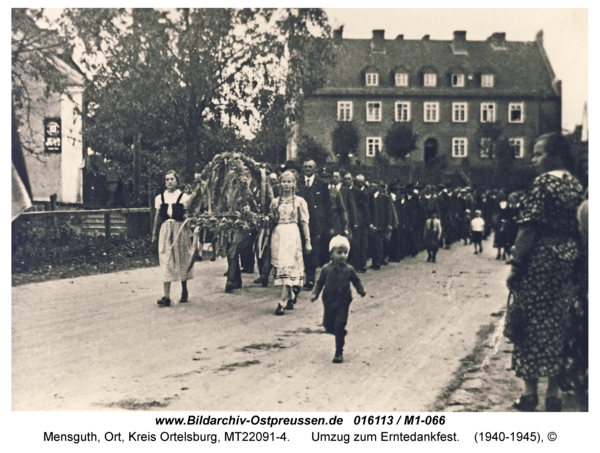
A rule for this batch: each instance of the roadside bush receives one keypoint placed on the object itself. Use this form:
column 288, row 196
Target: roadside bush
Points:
column 35, row 245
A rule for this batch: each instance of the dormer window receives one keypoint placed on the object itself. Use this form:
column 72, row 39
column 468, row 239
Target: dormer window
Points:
column 372, row 79
column 401, row 80
column 487, row 80
column 458, row 80
column 430, row 80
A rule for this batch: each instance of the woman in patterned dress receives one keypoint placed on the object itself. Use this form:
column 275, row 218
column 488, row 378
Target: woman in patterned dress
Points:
column 174, row 240
column 542, row 276
column 291, row 213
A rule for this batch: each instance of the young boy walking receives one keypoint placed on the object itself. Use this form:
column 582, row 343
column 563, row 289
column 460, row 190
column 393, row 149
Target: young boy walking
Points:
column 477, row 227
column 334, row 280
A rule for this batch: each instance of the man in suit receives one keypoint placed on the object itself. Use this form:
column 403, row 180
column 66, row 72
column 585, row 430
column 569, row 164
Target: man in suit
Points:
column 350, row 206
column 382, row 224
column 316, row 194
column 398, row 233
column 339, row 215
column 363, row 215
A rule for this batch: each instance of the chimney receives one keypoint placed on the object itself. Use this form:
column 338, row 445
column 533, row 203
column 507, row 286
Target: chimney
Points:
column 426, row 38
column 458, row 44
column 498, row 41
column 338, row 33
column 378, row 41
column 460, row 36
column 400, row 38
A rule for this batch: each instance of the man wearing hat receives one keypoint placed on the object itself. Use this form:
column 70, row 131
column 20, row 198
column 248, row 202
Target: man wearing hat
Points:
column 316, row 193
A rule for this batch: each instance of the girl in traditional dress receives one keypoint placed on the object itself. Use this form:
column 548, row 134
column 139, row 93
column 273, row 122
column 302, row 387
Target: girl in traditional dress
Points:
column 174, row 241
column 290, row 213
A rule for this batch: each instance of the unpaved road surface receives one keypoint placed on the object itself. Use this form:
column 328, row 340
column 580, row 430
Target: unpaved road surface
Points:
column 100, row 343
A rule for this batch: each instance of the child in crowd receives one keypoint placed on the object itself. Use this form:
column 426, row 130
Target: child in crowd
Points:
column 477, row 226
column 466, row 227
column 431, row 235
column 334, row 280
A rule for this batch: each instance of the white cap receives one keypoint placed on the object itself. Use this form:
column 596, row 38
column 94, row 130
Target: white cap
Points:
column 339, row 241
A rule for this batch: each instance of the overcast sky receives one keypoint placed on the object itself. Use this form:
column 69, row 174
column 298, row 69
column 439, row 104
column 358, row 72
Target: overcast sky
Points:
column 565, row 37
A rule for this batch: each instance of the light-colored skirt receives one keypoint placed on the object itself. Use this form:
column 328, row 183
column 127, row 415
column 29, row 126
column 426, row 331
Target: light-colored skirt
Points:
column 286, row 255
column 175, row 260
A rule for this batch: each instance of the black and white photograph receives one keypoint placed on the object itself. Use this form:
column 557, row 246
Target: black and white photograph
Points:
column 298, row 210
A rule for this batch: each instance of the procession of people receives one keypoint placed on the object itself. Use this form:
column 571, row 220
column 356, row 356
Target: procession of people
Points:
column 331, row 220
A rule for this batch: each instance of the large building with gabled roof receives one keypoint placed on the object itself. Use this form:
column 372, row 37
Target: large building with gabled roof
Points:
column 446, row 90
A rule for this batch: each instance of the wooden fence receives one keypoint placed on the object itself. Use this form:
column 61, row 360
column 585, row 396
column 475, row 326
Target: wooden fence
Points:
column 133, row 222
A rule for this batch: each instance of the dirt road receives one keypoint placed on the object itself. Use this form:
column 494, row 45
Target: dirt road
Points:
column 100, row 343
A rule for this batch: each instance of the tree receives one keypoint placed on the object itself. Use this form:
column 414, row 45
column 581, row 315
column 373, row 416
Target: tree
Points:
column 310, row 149
column 173, row 76
column 400, row 140
column 345, row 140
column 184, row 80
column 504, row 157
column 270, row 143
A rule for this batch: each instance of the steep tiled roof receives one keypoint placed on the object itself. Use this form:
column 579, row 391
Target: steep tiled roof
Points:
column 518, row 68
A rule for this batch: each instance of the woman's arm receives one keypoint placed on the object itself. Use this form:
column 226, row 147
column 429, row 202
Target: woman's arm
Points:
column 188, row 203
column 303, row 219
column 523, row 244
column 520, row 253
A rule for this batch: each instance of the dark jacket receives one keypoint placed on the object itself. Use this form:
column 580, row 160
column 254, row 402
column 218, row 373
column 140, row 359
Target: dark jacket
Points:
column 350, row 206
column 363, row 211
column 319, row 205
column 381, row 212
column 339, row 219
column 335, row 281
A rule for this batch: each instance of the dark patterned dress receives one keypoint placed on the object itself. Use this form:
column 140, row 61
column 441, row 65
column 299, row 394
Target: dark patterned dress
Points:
column 548, row 278
column 576, row 375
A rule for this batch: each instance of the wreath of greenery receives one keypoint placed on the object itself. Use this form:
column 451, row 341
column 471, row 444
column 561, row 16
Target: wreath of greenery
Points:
column 230, row 197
